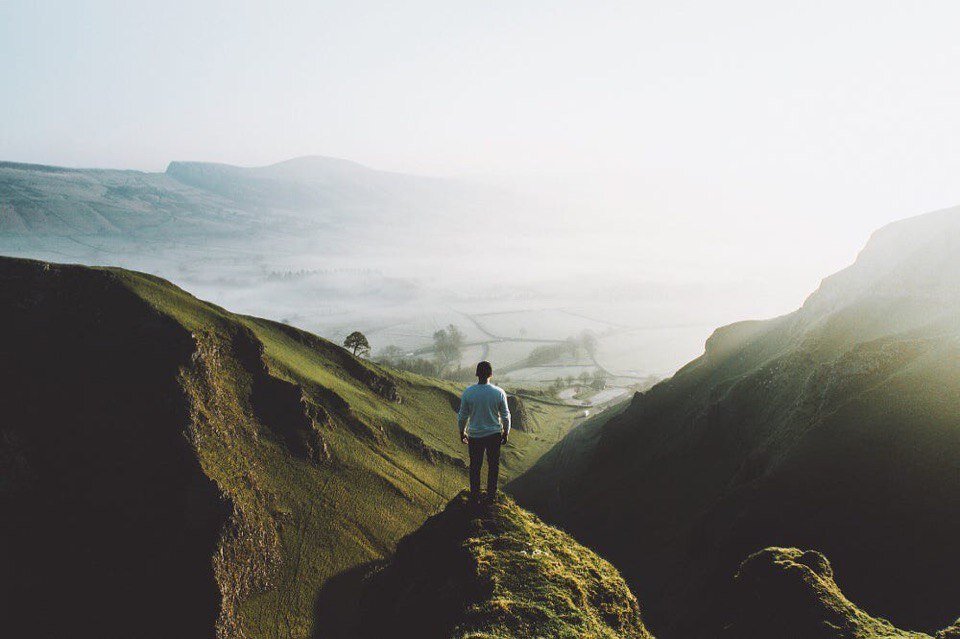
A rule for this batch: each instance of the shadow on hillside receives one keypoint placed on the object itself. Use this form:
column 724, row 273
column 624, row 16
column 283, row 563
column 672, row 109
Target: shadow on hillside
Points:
column 107, row 520
column 336, row 606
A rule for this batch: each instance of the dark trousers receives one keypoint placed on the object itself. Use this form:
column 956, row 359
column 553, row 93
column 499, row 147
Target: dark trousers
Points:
column 478, row 446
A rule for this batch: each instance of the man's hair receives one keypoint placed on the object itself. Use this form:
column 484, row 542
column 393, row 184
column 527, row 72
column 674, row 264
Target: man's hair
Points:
column 484, row 370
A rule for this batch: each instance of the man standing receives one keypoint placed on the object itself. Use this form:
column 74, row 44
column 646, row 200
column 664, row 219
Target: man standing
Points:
column 484, row 407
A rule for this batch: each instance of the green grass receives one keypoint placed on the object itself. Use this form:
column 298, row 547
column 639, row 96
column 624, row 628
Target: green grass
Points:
column 497, row 572
column 786, row 592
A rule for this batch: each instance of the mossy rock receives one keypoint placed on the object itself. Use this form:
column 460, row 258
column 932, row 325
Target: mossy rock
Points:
column 787, row 592
column 496, row 571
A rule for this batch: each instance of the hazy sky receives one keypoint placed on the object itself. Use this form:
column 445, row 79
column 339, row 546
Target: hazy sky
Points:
column 753, row 140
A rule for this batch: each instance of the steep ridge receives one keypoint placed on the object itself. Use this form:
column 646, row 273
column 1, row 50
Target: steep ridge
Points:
column 168, row 468
column 105, row 506
column 834, row 427
column 496, row 571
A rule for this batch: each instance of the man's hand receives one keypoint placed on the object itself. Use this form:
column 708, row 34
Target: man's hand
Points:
column 503, row 439
column 463, row 436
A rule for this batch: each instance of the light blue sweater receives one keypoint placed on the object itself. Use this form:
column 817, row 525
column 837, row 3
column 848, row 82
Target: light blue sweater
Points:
column 485, row 407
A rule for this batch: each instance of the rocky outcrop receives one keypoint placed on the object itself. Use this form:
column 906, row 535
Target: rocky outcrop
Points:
column 519, row 417
column 786, row 592
column 496, row 571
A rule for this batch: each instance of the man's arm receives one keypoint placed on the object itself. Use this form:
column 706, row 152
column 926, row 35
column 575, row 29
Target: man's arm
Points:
column 504, row 415
column 463, row 416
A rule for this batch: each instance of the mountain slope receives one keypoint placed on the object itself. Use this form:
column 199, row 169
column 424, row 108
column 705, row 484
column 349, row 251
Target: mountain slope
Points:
column 834, row 427
column 497, row 572
column 196, row 468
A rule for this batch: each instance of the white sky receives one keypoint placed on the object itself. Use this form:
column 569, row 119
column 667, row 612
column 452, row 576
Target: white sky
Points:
column 756, row 141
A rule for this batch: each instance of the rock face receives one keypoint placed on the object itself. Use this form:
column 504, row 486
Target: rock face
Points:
column 496, row 572
column 953, row 632
column 519, row 418
column 786, row 592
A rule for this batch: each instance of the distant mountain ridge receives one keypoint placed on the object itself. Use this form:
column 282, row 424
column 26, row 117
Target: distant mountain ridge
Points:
column 49, row 200
column 313, row 183
column 303, row 165
column 279, row 215
column 46, row 202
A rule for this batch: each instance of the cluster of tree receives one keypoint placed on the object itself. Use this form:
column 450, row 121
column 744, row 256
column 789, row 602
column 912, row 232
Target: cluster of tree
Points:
column 586, row 342
column 396, row 357
column 447, row 357
column 290, row 275
column 547, row 353
column 597, row 381
column 303, row 272
column 446, row 361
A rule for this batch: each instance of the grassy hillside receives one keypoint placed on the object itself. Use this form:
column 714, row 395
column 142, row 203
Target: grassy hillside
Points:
column 496, row 572
column 191, row 468
column 836, row 427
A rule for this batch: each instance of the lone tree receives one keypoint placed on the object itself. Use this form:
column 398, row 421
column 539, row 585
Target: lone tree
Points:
column 599, row 380
column 448, row 346
column 589, row 342
column 357, row 342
